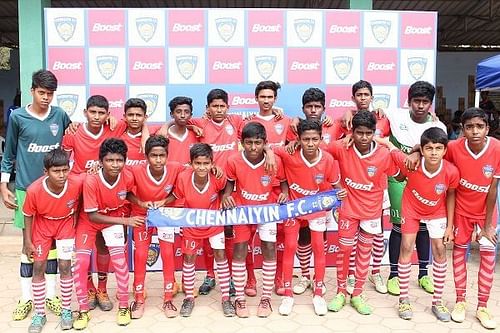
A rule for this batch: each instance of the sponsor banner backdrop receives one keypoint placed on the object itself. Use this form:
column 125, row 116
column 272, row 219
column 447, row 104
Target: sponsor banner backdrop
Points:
column 190, row 51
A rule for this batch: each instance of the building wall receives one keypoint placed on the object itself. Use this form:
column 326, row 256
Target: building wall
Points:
column 9, row 83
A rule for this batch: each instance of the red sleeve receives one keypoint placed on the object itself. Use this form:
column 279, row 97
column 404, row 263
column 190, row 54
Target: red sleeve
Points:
column 399, row 158
column 280, row 175
column 231, row 169
column 178, row 191
column 290, row 135
column 454, row 176
column 334, row 173
column 90, row 203
column 338, row 131
column 497, row 153
column 238, row 123
column 29, row 207
column 335, row 148
column 154, row 128
column 392, row 169
column 198, row 122
column 129, row 180
column 68, row 141
column 121, row 127
column 449, row 151
column 220, row 183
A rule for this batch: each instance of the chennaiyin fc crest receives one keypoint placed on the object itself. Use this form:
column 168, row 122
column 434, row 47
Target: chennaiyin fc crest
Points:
column 265, row 66
column 65, row 27
column 186, row 65
column 146, row 27
column 226, row 26
column 417, row 66
column 68, row 103
column 381, row 101
column 106, row 65
column 153, row 254
column 380, row 29
column 151, row 102
column 342, row 66
column 304, row 28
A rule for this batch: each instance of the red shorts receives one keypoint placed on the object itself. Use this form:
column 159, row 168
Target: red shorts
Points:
column 349, row 227
column 243, row 233
column 290, row 226
column 44, row 233
column 464, row 227
column 86, row 234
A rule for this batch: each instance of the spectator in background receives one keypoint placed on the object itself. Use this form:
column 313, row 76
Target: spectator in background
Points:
column 16, row 104
column 455, row 128
column 491, row 112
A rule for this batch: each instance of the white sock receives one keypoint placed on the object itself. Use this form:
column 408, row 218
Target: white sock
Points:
column 50, row 285
column 26, row 289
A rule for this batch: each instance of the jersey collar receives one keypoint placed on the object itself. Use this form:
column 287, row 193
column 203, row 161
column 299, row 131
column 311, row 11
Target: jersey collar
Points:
column 57, row 196
column 265, row 118
column 109, row 186
column 373, row 148
column 253, row 166
column 196, row 188
column 429, row 174
column 309, row 164
column 153, row 179
column 481, row 153
column 134, row 136
column 92, row 135
column 41, row 118
column 180, row 138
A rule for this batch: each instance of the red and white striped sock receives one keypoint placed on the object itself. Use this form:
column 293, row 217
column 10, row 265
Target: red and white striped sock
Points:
column 485, row 275
column 39, row 296
column 188, row 276
column 239, row 278
column 66, row 286
column 304, row 253
column 460, row 271
column 82, row 264
column 325, row 245
column 119, row 263
column 438, row 276
column 268, row 274
column 345, row 248
column 352, row 257
column 377, row 252
column 404, row 270
column 224, row 275
column 364, row 251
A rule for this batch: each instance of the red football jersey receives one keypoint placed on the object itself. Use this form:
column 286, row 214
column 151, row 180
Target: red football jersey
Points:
column 276, row 130
column 178, row 147
column 147, row 188
column 424, row 196
column 476, row 175
column 364, row 177
column 106, row 199
column 329, row 134
column 48, row 207
column 208, row 198
column 222, row 137
column 85, row 146
column 135, row 155
column 253, row 184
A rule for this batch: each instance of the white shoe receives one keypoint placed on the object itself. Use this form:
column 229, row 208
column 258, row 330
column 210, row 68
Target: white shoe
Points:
column 320, row 307
column 378, row 282
column 350, row 284
column 302, row 285
column 286, row 306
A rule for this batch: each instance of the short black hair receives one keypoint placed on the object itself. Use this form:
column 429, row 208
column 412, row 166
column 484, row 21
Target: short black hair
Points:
column 217, row 94
column 156, row 141
column 309, row 125
column 434, row 135
column 135, row 103
column 201, row 150
column 254, row 130
column 313, row 95
column 364, row 118
column 54, row 158
column 474, row 113
column 99, row 101
column 113, row 146
column 421, row 89
column 180, row 100
column 274, row 86
column 360, row 85
column 44, row 79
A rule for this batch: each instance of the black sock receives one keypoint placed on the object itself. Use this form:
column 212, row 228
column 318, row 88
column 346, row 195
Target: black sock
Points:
column 394, row 246
column 423, row 250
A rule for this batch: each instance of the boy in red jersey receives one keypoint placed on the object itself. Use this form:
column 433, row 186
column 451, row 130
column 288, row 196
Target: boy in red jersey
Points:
column 135, row 116
column 104, row 199
column 200, row 189
column 364, row 169
column 153, row 184
column 308, row 170
column 180, row 137
column 246, row 173
column 49, row 215
column 429, row 197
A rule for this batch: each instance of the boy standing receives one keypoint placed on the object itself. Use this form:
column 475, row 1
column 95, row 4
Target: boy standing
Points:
column 181, row 139
column 49, row 215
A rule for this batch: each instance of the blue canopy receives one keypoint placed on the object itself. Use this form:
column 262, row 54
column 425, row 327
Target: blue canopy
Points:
column 488, row 74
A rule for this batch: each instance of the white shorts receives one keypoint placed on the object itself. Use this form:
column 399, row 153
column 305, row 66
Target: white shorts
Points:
column 318, row 224
column 217, row 242
column 65, row 248
column 483, row 240
column 331, row 221
column 113, row 235
column 166, row 234
column 371, row 226
column 436, row 227
column 267, row 232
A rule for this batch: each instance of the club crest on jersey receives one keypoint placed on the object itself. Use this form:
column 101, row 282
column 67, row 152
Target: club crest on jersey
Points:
column 229, row 129
column 417, row 66
column 439, row 188
column 153, row 254
column 186, row 65
column 151, row 102
column 265, row 66
column 279, row 128
column 168, row 188
column 488, row 171
column 146, row 27
column 265, row 180
column 70, row 203
column 122, row 195
column 380, row 29
column 106, row 65
column 68, row 102
column 65, row 27
column 403, row 127
column 342, row 66
column 54, row 128
column 371, row 170
column 304, row 28
column 381, row 101
column 319, row 178
column 213, row 197
column 226, row 26
column 327, row 138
